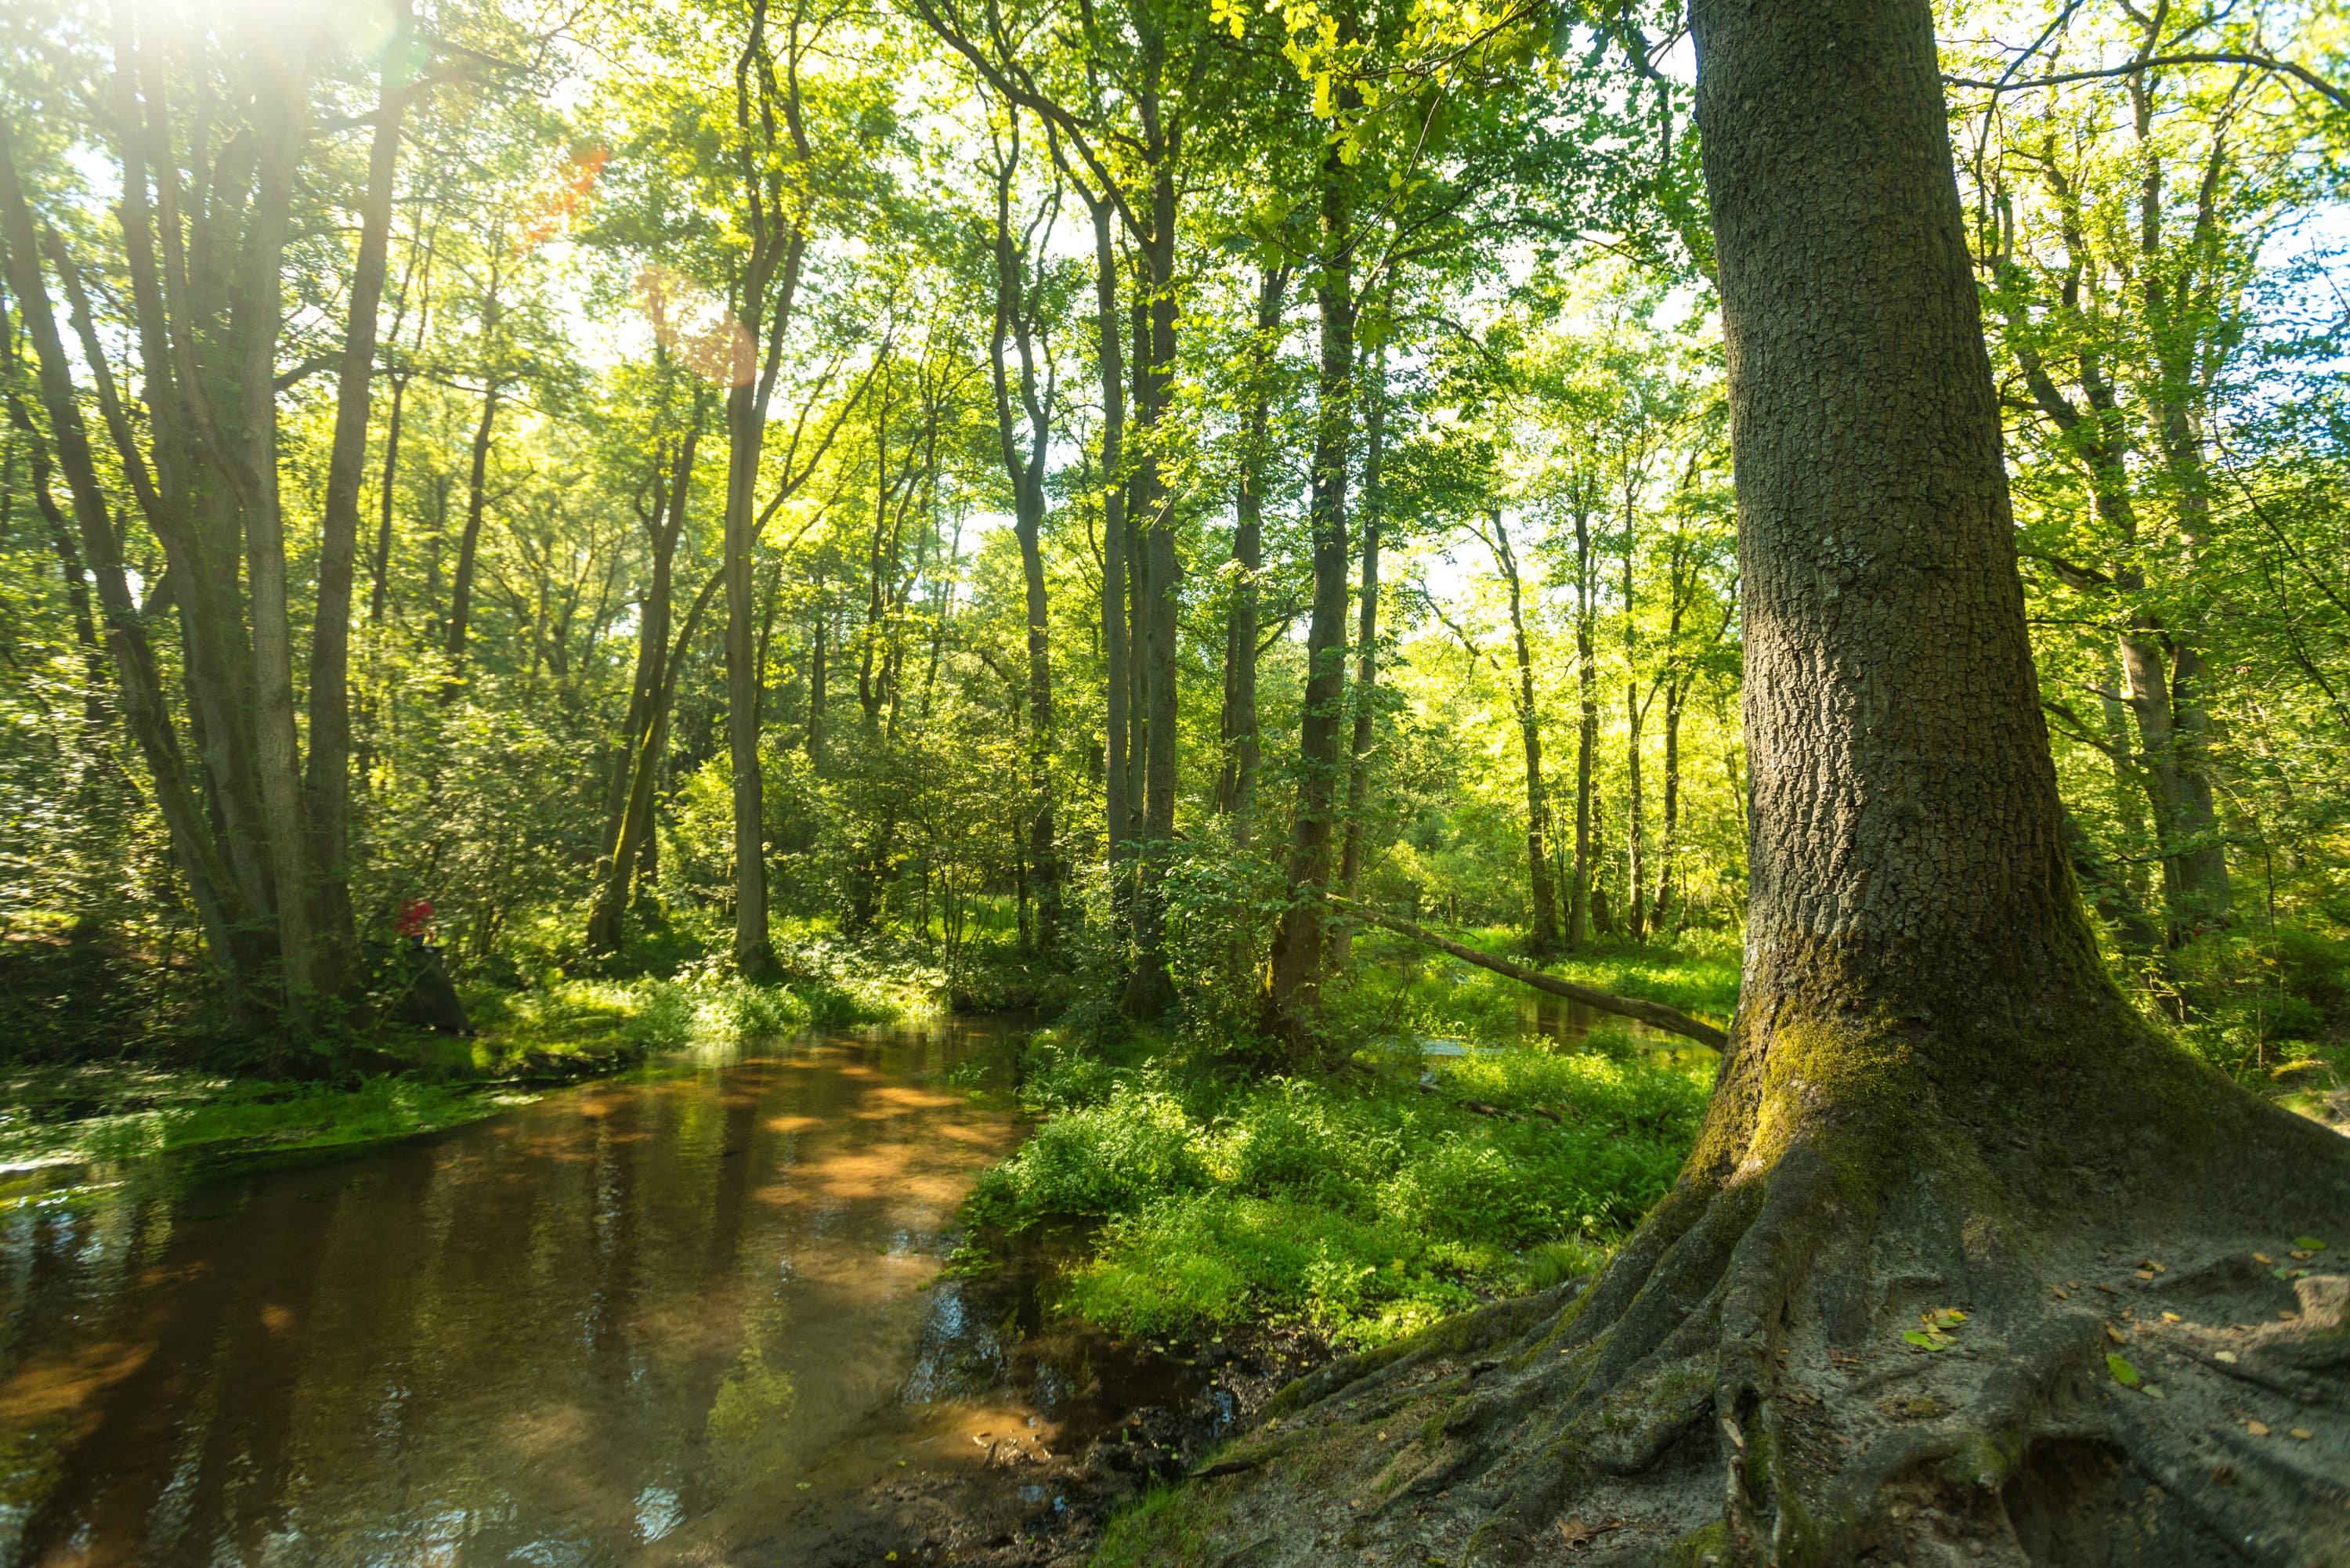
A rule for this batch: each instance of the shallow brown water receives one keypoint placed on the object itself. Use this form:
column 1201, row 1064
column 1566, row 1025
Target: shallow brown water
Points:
column 674, row 1319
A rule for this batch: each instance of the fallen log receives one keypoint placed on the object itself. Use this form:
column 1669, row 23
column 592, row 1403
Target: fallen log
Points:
column 1654, row 1015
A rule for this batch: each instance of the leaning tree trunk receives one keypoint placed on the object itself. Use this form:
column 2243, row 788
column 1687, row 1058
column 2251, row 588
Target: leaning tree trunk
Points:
column 1934, row 1102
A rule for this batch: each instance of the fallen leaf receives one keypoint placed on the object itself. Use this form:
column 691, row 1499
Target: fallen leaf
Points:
column 2145, row 1273
column 2170, row 1317
column 2262, row 1258
column 2227, row 1355
column 2312, row 1242
column 2115, row 1335
column 2303, row 1433
column 2072, row 1285
column 2288, row 1316
column 1383, row 1436
column 2257, row 1428
column 2107, row 1289
column 803, row 1485
column 2124, row 1373
column 1927, row 1339
column 2303, row 1253
column 1579, row 1534
column 2060, row 1292
column 2151, row 1390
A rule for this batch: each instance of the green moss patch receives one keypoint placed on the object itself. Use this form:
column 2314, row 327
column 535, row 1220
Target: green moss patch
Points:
column 1367, row 1205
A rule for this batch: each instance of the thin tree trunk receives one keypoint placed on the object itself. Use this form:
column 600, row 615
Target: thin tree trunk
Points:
column 1578, row 910
column 1363, row 697
column 1018, row 318
column 1667, row 828
column 1542, row 940
column 469, row 544
column 1293, row 971
column 329, row 785
column 1109, row 348
column 817, row 673
column 638, row 765
column 1237, row 785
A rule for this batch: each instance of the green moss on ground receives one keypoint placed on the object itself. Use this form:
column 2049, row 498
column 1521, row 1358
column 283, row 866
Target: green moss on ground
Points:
column 395, row 1083
column 1366, row 1204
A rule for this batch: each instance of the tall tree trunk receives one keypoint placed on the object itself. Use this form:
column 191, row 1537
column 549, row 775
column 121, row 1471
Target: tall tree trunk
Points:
column 1675, row 690
column 329, row 785
column 1363, row 697
column 1109, row 330
column 282, row 117
column 1586, row 690
column 1018, row 318
column 1542, row 940
column 1236, row 783
column 1293, row 971
column 1635, row 827
column 818, row 671
column 379, row 564
column 469, row 544
column 1149, row 989
column 638, row 767
column 145, row 708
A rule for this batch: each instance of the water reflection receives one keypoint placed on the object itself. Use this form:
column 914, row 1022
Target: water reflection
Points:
column 1571, row 1023
column 622, row 1319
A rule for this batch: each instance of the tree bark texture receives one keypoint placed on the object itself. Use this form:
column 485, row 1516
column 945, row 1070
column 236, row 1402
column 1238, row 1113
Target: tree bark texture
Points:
column 1362, row 698
column 1149, row 990
column 1542, row 938
column 1294, row 967
column 1019, row 318
column 1116, row 652
column 1586, row 695
column 328, row 783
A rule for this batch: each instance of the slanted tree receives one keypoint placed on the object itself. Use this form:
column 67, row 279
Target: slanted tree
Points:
column 1934, row 1102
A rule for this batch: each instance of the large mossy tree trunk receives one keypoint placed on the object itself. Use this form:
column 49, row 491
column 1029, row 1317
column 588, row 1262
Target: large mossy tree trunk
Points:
column 1934, row 1101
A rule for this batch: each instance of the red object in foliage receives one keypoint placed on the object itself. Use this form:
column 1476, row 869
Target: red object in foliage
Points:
column 416, row 921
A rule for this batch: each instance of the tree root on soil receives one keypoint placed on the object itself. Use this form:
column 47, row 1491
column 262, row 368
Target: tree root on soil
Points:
column 1770, row 1373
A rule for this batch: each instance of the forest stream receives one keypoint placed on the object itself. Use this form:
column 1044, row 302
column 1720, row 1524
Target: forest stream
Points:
column 694, row 1317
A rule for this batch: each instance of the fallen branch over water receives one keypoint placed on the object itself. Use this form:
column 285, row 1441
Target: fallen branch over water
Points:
column 1654, row 1015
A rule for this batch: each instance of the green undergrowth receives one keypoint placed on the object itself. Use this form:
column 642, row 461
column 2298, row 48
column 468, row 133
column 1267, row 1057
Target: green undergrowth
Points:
column 1167, row 1527
column 1366, row 1203
column 371, row 1087
column 1396, row 984
column 111, row 1111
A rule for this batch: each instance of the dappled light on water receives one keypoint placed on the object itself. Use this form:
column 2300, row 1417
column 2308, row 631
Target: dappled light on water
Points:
column 628, row 1320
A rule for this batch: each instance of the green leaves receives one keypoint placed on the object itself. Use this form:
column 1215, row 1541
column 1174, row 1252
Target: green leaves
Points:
column 1940, row 1322
column 2123, row 1372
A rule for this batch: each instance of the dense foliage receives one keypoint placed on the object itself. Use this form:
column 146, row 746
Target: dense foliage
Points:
column 1067, row 492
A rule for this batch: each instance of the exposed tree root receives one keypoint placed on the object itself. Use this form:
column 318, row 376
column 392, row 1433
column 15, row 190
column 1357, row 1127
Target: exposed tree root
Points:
column 1736, row 1387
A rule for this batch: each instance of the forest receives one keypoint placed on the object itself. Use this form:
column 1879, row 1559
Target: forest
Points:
column 1619, row 732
